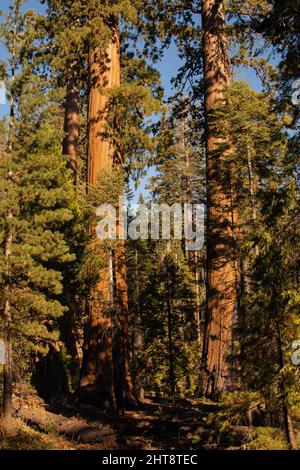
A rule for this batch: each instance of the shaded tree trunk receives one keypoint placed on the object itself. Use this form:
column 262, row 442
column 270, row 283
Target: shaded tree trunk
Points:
column 97, row 380
column 72, row 122
column 138, row 332
column 221, row 277
column 197, row 314
column 123, row 384
column 170, row 343
column 68, row 330
column 70, row 149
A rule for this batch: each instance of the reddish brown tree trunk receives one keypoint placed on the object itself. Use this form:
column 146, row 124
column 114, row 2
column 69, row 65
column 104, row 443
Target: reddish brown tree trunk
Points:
column 96, row 385
column 105, row 375
column 123, row 384
column 221, row 282
column 105, row 74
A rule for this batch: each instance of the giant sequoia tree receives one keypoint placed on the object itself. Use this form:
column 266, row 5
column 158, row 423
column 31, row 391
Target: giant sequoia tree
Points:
column 112, row 147
column 221, row 280
column 200, row 31
column 99, row 373
column 82, row 54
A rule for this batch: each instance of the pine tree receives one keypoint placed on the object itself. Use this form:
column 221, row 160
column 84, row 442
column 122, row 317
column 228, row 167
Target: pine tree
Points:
column 180, row 151
column 9, row 31
column 267, row 203
column 64, row 33
column 167, row 313
column 35, row 211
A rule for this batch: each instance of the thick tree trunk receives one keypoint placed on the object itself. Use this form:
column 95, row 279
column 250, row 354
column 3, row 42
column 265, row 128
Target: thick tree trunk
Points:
column 105, row 375
column 97, row 379
column 68, row 330
column 221, row 280
column 197, row 314
column 105, row 74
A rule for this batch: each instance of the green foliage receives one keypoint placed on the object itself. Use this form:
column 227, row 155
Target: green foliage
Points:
column 179, row 151
column 40, row 197
column 37, row 208
column 132, row 107
column 233, row 414
column 67, row 33
column 25, row 437
column 55, row 260
column 169, row 281
column 268, row 206
column 267, row 439
column 234, row 408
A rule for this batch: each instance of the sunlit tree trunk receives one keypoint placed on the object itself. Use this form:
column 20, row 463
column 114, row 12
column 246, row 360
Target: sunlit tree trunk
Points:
column 106, row 372
column 221, row 276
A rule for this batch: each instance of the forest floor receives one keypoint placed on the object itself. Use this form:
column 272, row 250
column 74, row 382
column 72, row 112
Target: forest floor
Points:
column 155, row 425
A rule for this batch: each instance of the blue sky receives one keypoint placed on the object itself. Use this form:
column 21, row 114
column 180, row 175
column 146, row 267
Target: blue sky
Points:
column 167, row 67
column 34, row 4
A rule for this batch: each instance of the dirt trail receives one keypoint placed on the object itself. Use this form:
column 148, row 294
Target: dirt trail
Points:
column 154, row 426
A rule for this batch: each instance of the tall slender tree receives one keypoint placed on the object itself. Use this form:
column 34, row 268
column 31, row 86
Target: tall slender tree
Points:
column 65, row 33
column 9, row 35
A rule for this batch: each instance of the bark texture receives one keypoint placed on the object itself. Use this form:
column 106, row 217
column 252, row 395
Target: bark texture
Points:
column 105, row 376
column 221, row 276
